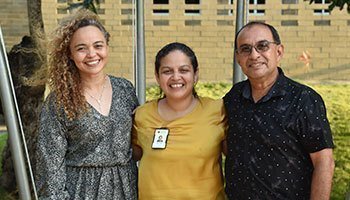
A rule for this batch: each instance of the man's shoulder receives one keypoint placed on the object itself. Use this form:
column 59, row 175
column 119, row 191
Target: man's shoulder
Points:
column 303, row 88
column 236, row 89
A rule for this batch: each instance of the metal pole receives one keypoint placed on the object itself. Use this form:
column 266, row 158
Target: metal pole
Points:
column 237, row 71
column 11, row 118
column 246, row 20
column 140, row 68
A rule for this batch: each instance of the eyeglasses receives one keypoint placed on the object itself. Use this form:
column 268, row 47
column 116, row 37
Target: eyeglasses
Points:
column 260, row 47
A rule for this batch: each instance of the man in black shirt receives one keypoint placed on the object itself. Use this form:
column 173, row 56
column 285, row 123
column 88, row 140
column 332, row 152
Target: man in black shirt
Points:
column 279, row 143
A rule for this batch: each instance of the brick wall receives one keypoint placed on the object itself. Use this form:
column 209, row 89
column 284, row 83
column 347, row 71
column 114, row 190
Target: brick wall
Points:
column 324, row 37
column 209, row 29
column 13, row 21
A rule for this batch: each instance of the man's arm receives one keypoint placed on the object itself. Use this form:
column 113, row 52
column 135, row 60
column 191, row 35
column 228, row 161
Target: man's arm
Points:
column 323, row 173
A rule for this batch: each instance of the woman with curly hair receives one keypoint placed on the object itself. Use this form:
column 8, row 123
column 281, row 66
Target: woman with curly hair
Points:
column 83, row 149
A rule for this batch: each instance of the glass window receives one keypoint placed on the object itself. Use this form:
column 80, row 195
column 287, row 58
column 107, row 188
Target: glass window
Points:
column 160, row 11
column 160, row 23
column 126, row 1
column 126, row 11
column 224, row 12
column 225, row 2
column 322, row 11
column 256, row 11
column 289, row 23
column 256, row 1
column 192, row 1
column 322, row 1
column 160, row 1
column 192, row 12
column 289, row 12
column 192, row 22
column 290, row 2
column 322, row 22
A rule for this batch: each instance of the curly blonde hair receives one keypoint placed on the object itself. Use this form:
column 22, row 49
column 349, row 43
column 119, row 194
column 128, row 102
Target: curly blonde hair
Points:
column 64, row 78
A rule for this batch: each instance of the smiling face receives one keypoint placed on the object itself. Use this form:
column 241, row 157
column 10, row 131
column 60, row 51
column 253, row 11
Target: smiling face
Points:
column 259, row 66
column 89, row 50
column 176, row 76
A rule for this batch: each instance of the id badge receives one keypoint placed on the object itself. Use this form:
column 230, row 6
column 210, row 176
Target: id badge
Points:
column 160, row 138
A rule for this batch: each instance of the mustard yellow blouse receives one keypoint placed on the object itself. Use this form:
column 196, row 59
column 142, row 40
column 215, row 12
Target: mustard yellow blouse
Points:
column 189, row 167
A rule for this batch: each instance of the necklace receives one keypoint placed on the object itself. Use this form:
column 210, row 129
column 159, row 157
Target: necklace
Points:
column 99, row 99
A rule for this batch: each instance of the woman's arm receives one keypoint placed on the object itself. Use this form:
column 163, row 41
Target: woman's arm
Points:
column 50, row 173
column 136, row 152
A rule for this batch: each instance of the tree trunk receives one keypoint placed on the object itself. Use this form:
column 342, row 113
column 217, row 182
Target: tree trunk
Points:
column 24, row 62
column 35, row 19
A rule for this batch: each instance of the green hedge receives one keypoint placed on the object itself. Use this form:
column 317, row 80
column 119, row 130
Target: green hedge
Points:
column 337, row 98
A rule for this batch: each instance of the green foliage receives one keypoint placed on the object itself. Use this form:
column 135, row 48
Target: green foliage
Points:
column 336, row 98
column 215, row 91
column 337, row 3
column 3, row 139
column 153, row 92
column 7, row 196
column 341, row 180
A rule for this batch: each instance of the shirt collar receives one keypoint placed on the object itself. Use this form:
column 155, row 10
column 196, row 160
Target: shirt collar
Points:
column 278, row 88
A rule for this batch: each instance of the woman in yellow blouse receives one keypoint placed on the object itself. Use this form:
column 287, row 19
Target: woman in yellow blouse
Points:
column 179, row 137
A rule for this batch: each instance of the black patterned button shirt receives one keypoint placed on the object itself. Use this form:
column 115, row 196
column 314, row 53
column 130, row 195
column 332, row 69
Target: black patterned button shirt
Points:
column 269, row 142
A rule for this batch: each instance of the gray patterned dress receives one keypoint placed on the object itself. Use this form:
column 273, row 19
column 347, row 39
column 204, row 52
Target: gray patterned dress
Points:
column 89, row 158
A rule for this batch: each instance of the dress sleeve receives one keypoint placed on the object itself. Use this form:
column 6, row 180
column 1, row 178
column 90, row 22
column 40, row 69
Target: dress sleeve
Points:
column 51, row 148
column 132, row 94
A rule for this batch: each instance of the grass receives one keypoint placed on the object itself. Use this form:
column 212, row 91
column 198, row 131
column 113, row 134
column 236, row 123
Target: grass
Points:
column 341, row 180
column 3, row 139
column 337, row 100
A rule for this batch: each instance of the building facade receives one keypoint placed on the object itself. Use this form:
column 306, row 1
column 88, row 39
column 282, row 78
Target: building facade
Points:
column 316, row 41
